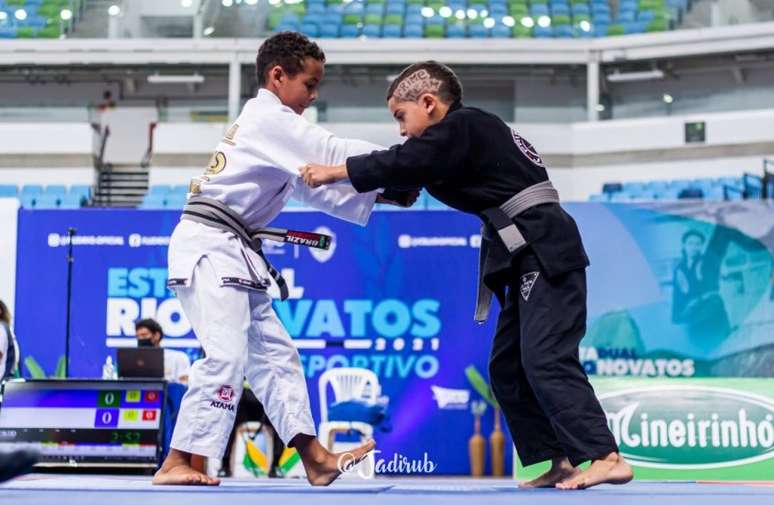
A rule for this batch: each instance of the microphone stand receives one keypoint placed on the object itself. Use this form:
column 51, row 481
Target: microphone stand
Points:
column 70, row 234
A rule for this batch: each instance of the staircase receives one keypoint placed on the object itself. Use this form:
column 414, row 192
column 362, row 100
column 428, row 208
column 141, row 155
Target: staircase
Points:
column 120, row 186
column 94, row 21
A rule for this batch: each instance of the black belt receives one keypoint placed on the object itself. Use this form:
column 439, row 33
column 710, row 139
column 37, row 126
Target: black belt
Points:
column 216, row 214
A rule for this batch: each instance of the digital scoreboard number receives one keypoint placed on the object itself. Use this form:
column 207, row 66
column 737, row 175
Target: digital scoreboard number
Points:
column 88, row 423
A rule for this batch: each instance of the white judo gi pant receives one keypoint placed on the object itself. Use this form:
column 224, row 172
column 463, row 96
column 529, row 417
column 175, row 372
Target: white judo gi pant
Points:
column 242, row 337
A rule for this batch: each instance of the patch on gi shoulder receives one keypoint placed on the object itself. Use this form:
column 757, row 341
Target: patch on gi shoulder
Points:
column 230, row 134
column 527, row 283
column 244, row 283
column 171, row 283
column 527, row 149
column 217, row 163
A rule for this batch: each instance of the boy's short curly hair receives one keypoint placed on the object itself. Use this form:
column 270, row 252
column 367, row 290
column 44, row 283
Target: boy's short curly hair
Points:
column 288, row 50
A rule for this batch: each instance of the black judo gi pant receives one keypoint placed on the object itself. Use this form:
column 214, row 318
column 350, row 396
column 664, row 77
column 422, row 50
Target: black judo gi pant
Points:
column 535, row 372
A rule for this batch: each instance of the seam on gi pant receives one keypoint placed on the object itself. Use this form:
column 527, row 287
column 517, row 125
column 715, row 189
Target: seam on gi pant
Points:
column 294, row 429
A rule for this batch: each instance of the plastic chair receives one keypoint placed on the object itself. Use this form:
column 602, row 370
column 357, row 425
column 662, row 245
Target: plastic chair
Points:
column 8, row 191
column 347, row 384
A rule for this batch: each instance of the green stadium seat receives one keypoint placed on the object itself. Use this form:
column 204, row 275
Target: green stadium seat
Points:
column 615, row 30
column 520, row 31
column 352, row 19
column 434, row 31
column 657, row 25
column 373, row 19
column 393, row 19
column 560, row 20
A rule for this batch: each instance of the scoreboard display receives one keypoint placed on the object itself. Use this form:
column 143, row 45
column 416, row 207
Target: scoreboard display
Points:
column 84, row 422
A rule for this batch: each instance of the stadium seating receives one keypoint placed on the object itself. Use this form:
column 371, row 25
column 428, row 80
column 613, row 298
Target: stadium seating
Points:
column 723, row 188
column 475, row 18
column 21, row 19
column 54, row 196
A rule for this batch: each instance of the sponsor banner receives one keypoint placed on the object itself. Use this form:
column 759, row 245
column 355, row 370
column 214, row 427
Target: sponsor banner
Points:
column 397, row 297
column 695, row 429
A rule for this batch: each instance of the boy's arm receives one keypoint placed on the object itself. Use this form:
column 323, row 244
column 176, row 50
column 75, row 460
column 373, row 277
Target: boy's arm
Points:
column 294, row 141
column 437, row 155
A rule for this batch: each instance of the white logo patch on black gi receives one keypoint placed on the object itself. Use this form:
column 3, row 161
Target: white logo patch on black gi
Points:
column 527, row 149
column 527, row 282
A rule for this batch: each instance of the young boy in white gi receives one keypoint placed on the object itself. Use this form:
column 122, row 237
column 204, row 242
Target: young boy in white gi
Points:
column 221, row 277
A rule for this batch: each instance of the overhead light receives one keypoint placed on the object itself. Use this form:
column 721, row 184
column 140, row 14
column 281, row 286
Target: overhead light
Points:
column 445, row 11
column 668, row 98
column 460, row 14
column 544, row 21
column 186, row 3
column 600, row 107
column 20, row 14
column 208, row 31
column 472, row 14
column 428, row 12
column 585, row 26
column 3, row 16
column 527, row 22
column 114, row 10
column 66, row 14
column 509, row 21
column 227, row 3
column 175, row 79
column 251, row 2
column 647, row 75
column 489, row 23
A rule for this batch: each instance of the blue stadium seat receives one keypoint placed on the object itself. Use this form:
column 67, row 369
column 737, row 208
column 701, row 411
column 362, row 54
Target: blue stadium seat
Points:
column 71, row 201
column 8, row 190
column 310, row 30
column 478, row 31
column 627, row 16
column 180, row 189
column 539, row 10
column 332, row 18
column 374, row 9
column 47, row 201
column 372, row 31
column 349, row 31
column 396, row 9
column 153, row 201
column 564, row 31
column 316, row 8
column 56, row 189
column 7, row 32
column 28, row 200
column 312, row 19
column 581, row 10
column 413, row 31
column 501, row 32
column 414, row 9
column 354, row 8
column 540, row 32
column 392, row 31
column 600, row 29
column 560, row 10
column 83, row 192
column 455, row 31
column 175, row 201
column 32, row 189
column 498, row 11
column 598, row 198
column 646, row 16
column 160, row 189
column 329, row 30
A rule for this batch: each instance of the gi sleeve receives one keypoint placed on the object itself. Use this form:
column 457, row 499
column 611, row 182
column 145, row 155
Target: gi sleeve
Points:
column 339, row 200
column 436, row 156
column 294, row 141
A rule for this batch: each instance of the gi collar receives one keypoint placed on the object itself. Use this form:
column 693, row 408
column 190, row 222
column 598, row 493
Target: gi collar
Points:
column 265, row 94
column 455, row 106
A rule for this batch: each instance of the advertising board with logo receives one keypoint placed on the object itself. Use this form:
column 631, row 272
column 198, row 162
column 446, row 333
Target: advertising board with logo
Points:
column 685, row 292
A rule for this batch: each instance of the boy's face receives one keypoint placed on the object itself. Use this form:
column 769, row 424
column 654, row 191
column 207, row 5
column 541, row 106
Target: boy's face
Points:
column 415, row 117
column 299, row 91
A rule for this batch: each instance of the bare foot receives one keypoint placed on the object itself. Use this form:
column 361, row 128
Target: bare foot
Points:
column 612, row 469
column 322, row 466
column 177, row 470
column 560, row 470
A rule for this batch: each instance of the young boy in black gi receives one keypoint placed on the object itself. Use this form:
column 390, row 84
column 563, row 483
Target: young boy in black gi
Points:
column 532, row 258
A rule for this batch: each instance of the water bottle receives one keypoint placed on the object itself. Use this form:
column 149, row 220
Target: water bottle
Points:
column 108, row 369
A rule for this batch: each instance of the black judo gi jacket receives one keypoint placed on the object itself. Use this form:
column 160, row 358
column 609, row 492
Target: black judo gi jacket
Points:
column 472, row 161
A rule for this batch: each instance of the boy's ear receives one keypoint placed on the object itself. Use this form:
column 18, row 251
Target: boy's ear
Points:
column 276, row 73
column 428, row 102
